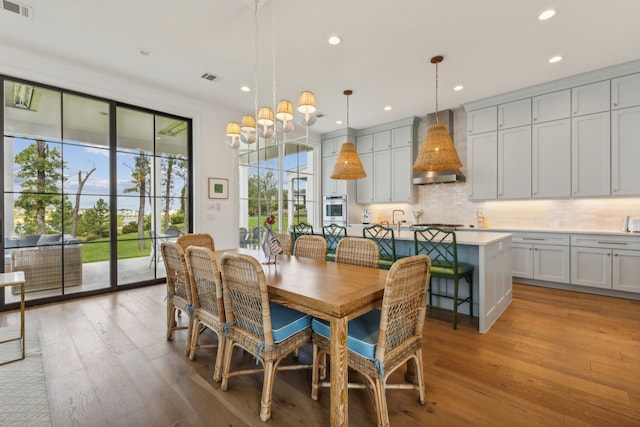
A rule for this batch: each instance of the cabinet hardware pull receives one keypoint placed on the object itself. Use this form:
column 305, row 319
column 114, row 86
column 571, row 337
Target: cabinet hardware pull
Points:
column 612, row 243
column 533, row 238
column 615, row 104
column 615, row 254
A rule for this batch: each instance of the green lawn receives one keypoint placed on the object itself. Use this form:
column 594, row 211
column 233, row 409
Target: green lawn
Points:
column 98, row 250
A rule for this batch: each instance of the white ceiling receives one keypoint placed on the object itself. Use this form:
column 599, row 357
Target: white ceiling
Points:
column 490, row 47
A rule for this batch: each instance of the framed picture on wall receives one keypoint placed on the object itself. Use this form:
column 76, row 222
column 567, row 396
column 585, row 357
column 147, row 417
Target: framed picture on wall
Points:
column 218, row 188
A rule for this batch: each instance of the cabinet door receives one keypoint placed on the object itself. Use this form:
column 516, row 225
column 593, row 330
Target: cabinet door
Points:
column 514, row 114
column 382, row 140
column 589, row 99
column 401, row 137
column 514, row 163
column 364, row 186
column 551, row 106
column 330, row 147
column 365, row 144
column 591, row 267
column 551, row 263
column 401, row 171
column 625, row 91
column 382, row 176
column 626, row 270
column 551, row 159
column 591, row 155
column 329, row 186
column 625, row 152
column 484, row 120
column 483, row 165
column 522, row 260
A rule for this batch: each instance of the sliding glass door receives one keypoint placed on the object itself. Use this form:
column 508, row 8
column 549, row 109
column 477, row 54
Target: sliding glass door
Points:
column 91, row 189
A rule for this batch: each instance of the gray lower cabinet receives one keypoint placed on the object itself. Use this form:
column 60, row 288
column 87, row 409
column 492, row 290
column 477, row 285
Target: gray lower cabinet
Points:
column 606, row 262
column 541, row 256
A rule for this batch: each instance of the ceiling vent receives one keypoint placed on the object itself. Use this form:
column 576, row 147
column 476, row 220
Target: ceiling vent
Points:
column 17, row 8
column 210, row 77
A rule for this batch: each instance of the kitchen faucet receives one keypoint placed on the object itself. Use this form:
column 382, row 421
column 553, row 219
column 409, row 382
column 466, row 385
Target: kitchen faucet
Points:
column 393, row 215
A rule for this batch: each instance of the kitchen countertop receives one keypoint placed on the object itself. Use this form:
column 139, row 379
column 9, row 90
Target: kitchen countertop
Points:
column 469, row 237
column 552, row 230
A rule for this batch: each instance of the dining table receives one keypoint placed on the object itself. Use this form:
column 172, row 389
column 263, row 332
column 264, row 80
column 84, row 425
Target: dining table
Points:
column 332, row 291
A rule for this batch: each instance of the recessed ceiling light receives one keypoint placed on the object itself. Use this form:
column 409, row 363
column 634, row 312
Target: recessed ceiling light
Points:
column 458, row 88
column 338, row 122
column 546, row 14
column 555, row 59
column 334, row 40
column 387, row 108
column 245, row 89
column 144, row 52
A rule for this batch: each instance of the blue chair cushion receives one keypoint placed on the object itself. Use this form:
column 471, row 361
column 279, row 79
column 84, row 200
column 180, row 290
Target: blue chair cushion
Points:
column 286, row 322
column 362, row 335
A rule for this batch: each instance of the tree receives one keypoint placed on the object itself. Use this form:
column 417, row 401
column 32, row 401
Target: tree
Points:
column 96, row 219
column 76, row 209
column 139, row 174
column 171, row 167
column 41, row 168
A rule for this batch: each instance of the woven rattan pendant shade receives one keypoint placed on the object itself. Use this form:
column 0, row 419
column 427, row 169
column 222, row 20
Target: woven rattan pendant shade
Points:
column 437, row 152
column 348, row 165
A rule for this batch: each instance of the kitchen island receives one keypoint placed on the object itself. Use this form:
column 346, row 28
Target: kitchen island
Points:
column 489, row 253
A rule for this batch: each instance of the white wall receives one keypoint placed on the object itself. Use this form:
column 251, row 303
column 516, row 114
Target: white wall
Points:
column 211, row 157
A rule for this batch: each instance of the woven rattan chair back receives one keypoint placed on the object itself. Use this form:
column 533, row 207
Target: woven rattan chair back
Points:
column 178, row 287
column 248, row 315
column 285, row 241
column 333, row 233
column 358, row 251
column 204, row 240
column 399, row 335
column 384, row 238
column 207, row 301
column 308, row 246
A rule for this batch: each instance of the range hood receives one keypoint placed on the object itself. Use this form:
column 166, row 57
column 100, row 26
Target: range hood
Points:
column 440, row 177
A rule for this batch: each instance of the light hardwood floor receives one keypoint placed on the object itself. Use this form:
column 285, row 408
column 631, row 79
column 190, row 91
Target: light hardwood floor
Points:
column 554, row 358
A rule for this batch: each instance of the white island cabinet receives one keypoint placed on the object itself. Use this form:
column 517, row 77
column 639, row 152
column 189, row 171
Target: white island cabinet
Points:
column 490, row 254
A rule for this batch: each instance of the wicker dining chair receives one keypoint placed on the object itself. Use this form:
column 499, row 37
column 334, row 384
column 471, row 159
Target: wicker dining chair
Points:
column 358, row 251
column 264, row 329
column 196, row 239
column 285, row 241
column 385, row 239
column 442, row 248
column 333, row 233
column 308, row 246
column 179, row 298
column 208, row 306
column 381, row 341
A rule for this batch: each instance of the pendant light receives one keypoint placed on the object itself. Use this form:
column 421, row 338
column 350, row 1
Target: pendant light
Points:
column 437, row 151
column 348, row 165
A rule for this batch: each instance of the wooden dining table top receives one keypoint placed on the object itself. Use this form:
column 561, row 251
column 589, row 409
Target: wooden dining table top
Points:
column 324, row 289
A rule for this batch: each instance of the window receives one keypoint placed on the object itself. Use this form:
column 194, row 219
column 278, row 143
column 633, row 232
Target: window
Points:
column 90, row 190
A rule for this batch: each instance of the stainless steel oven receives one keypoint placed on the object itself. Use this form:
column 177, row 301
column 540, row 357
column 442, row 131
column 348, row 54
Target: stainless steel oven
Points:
column 334, row 210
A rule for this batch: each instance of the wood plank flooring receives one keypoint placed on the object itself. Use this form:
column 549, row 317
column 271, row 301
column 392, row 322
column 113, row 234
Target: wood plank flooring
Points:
column 554, row 358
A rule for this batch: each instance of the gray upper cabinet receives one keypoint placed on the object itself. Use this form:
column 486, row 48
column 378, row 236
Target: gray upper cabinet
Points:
column 514, row 163
column 364, row 144
column 551, row 106
column 589, row 99
column 625, row 152
column 482, row 157
column 514, row 114
column 484, row 120
column 625, row 91
column 591, row 155
column 551, row 157
column 382, row 140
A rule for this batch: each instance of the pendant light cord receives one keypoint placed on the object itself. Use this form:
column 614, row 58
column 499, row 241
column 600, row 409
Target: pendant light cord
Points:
column 437, row 93
column 255, row 64
column 347, row 118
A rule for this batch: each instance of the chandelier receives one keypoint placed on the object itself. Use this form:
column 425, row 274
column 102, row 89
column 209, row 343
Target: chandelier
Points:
column 264, row 121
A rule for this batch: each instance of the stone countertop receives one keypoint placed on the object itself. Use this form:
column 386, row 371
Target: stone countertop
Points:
column 469, row 237
column 552, row 230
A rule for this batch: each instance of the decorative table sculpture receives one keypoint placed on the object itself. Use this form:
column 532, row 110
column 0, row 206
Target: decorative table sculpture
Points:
column 270, row 245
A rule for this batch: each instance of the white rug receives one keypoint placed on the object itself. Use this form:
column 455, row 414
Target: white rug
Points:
column 23, row 387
